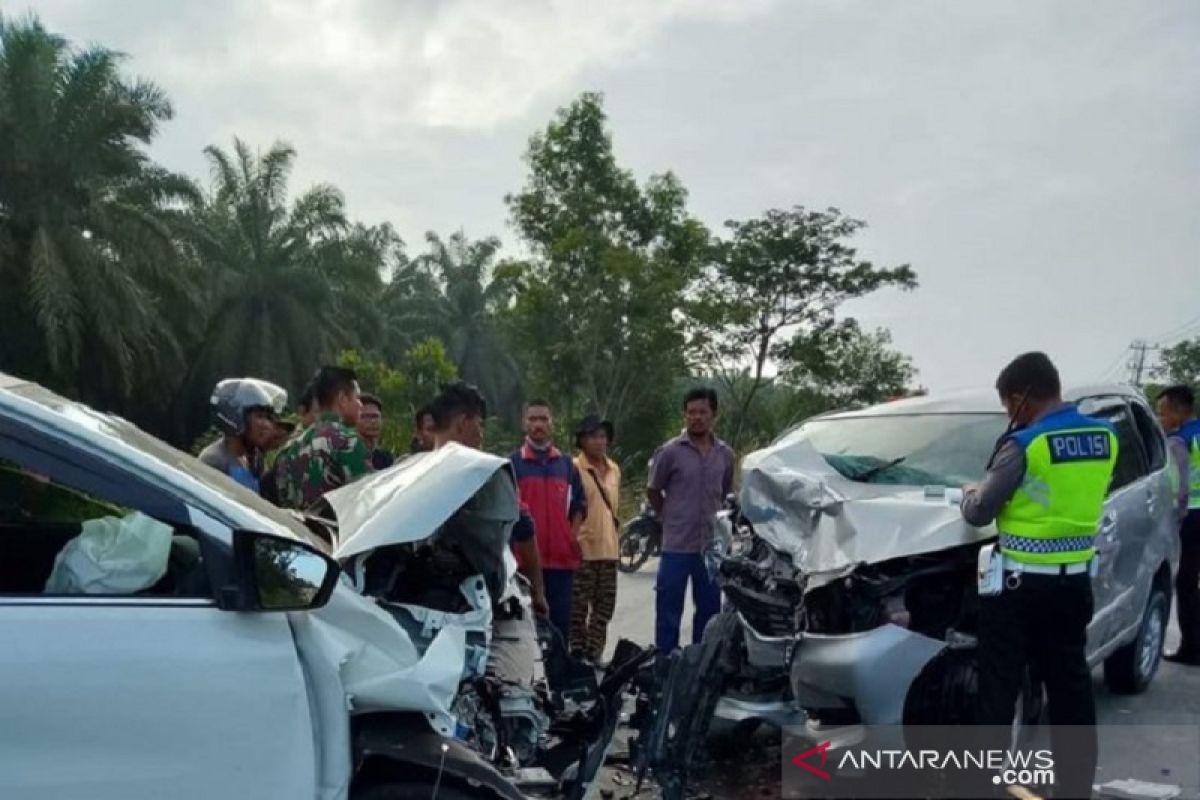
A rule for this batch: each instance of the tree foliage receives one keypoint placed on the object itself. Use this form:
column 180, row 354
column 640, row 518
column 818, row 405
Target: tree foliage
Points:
column 403, row 387
column 772, row 290
column 595, row 312
column 1180, row 363
column 88, row 260
column 466, row 303
column 131, row 288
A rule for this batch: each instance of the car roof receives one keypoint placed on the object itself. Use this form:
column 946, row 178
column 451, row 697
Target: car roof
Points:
column 125, row 443
column 975, row 401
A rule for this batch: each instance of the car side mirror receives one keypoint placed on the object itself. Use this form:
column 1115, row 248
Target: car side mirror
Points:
column 275, row 573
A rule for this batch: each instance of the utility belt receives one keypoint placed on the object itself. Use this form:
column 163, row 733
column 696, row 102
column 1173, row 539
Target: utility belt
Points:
column 997, row 572
column 1014, row 566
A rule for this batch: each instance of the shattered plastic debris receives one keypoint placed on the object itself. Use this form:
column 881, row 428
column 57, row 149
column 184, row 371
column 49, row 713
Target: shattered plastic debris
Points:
column 1133, row 789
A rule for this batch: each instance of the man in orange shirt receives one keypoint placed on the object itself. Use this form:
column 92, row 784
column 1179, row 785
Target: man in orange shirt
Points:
column 596, row 581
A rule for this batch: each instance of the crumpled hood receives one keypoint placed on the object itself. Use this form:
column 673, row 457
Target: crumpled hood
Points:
column 828, row 524
column 358, row 648
column 409, row 501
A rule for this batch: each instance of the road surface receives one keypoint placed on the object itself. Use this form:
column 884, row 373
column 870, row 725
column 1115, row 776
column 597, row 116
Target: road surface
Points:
column 1163, row 748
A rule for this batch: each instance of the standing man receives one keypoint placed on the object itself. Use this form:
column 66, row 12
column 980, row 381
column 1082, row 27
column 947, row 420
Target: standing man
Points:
column 689, row 480
column 424, row 430
column 370, row 427
column 330, row 453
column 305, row 414
column 596, row 581
column 245, row 411
column 1177, row 412
column 552, row 491
column 458, row 414
column 1045, row 490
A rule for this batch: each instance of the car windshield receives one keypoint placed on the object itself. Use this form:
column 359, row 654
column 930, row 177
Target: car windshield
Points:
column 911, row 449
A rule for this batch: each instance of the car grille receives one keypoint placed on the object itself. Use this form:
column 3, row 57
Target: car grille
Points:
column 768, row 614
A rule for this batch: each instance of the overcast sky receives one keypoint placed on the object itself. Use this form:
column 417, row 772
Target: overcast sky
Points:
column 1036, row 162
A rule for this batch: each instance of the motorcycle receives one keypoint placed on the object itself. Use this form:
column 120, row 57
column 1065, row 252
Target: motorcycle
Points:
column 640, row 539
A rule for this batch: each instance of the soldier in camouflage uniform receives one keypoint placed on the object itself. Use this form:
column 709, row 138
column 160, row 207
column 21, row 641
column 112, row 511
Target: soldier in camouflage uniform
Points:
column 330, row 453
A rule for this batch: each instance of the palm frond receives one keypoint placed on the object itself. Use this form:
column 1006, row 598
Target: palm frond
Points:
column 52, row 294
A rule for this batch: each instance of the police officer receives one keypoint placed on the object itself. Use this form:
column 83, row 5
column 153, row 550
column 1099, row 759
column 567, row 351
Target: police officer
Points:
column 1177, row 412
column 1045, row 490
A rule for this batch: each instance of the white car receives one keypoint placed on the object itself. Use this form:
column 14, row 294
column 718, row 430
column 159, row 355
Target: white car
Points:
column 168, row 634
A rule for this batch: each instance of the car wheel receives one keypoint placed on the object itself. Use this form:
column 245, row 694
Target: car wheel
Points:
column 411, row 790
column 1130, row 669
column 728, row 738
column 945, row 693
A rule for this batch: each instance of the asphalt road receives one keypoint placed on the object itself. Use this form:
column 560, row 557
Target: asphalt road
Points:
column 1159, row 743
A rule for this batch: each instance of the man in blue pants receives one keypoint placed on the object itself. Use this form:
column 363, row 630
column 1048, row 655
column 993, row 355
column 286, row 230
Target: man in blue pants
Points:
column 689, row 480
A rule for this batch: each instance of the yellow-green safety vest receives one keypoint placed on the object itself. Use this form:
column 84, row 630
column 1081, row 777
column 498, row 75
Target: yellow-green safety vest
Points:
column 1053, row 515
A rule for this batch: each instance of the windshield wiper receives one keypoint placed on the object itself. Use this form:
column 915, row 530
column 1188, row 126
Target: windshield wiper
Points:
column 866, row 475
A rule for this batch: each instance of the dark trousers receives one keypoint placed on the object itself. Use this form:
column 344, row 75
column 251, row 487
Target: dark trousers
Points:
column 1042, row 626
column 593, row 606
column 560, row 585
column 1187, row 584
column 674, row 571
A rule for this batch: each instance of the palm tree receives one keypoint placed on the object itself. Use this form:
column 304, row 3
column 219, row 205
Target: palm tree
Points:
column 465, row 313
column 87, row 254
column 289, row 285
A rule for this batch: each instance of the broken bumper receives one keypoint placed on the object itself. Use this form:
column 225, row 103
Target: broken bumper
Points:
column 859, row 677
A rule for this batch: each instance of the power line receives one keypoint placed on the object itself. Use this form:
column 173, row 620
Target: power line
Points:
column 1108, row 371
column 1191, row 323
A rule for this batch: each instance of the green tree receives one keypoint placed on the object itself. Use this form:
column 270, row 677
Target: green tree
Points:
column 775, row 283
column 1179, row 363
column 404, row 388
column 846, row 366
column 289, row 285
column 466, row 303
column 92, row 277
column 595, row 310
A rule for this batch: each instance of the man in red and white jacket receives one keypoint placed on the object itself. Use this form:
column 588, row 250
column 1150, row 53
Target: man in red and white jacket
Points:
column 551, row 489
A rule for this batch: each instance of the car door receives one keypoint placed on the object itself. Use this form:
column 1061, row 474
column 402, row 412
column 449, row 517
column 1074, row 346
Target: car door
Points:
column 140, row 694
column 1125, row 521
column 1155, row 543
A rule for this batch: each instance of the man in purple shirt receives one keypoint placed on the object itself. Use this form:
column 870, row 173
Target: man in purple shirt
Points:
column 689, row 480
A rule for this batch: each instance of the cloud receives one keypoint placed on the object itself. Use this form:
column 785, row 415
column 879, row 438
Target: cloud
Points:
column 1034, row 161
column 373, row 66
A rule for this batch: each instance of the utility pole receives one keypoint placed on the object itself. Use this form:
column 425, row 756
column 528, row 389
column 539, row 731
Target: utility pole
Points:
column 1137, row 362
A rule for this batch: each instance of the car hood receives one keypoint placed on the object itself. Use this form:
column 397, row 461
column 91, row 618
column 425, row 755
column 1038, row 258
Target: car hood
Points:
column 362, row 656
column 828, row 524
column 411, row 500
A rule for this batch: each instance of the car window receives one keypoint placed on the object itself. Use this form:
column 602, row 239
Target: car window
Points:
column 1151, row 435
column 907, row 449
column 1131, row 460
column 56, row 540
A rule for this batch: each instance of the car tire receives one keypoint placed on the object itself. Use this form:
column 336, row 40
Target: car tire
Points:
column 729, row 738
column 944, row 694
column 1130, row 669
column 411, row 790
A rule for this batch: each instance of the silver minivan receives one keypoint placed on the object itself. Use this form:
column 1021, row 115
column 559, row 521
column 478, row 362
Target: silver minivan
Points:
column 849, row 574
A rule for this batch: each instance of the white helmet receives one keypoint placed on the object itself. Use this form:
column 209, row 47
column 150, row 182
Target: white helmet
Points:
column 234, row 398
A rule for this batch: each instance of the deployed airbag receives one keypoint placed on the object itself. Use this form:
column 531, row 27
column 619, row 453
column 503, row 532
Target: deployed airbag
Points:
column 112, row 555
